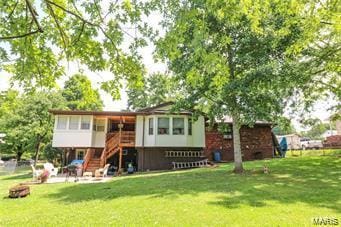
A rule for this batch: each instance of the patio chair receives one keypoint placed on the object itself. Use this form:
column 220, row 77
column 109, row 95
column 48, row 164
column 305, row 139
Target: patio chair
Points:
column 52, row 170
column 102, row 172
column 36, row 172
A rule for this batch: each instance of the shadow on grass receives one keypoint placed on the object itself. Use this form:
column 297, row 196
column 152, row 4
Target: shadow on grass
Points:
column 314, row 181
column 18, row 176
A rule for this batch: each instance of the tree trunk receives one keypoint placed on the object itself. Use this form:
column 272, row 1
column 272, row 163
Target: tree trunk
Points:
column 238, row 162
column 19, row 154
column 36, row 155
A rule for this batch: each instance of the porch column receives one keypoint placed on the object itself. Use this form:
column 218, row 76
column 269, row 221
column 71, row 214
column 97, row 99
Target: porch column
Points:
column 120, row 160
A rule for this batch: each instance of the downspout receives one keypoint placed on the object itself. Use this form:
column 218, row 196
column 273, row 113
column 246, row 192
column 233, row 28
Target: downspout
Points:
column 143, row 129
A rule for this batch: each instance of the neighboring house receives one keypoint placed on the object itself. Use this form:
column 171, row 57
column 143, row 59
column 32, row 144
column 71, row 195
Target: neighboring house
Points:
column 293, row 141
column 329, row 133
column 150, row 139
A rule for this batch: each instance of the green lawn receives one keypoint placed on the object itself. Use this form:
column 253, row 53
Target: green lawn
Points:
column 296, row 190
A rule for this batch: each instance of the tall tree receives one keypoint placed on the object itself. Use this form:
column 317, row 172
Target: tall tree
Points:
column 28, row 125
column 157, row 88
column 80, row 95
column 236, row 58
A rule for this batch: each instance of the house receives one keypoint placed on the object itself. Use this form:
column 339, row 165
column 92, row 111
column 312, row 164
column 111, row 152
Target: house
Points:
column 256, row 142
column 150, row 139
column 328, row 133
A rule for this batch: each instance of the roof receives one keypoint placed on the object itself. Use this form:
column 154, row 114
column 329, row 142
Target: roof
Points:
column 97, row 113
column 145, row 111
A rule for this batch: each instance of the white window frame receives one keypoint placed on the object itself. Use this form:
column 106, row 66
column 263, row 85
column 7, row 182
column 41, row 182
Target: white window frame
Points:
column 151, row 129
column 96, row 125
column 189, row 129
column 169, row 127
column 66, row 122
column 81, row 125
column 76, row 117
column 78, row 151
column 183, row 128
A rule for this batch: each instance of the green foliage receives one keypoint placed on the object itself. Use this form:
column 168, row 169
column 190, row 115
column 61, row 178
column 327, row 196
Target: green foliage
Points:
column 80, row 95
column 158, row 88
column 38, row 37
column 51, row 153
column 236, row 58
column 316, row 128
column 283, row 127
column 26, row 122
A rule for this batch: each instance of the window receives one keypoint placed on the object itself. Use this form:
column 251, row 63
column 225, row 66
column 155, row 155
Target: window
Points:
column 151, row 126
column 74, row 122
column 99, row 125
column 61, row 122
column 85, row 122
column 80, row 154
column 190, row 126
column 178, row 126
column 163, row 125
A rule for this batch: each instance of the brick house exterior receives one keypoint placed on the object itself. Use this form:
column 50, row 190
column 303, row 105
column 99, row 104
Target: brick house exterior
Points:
column 256, row 143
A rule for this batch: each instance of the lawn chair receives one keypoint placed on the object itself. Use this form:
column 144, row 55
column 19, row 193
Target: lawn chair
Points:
column 102, row 172
column 36, row 172
column 52, row 170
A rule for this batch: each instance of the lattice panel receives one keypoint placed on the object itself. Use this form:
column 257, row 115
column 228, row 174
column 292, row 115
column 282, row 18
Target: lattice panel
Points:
column 184, row 154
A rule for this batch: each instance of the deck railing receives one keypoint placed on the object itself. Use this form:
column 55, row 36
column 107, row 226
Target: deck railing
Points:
column 87, row 158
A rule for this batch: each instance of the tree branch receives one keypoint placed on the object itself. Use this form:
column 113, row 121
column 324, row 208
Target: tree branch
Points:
column 19, row 36
column 34, row 15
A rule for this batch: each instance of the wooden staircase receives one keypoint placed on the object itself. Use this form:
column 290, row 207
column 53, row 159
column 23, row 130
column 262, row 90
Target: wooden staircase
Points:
column 113, row 144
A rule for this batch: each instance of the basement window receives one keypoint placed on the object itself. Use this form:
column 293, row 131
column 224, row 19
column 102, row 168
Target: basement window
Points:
column 163, row 125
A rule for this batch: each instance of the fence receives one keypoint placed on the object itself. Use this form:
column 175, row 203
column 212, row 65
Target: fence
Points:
column 317, row 152
column 9, row 167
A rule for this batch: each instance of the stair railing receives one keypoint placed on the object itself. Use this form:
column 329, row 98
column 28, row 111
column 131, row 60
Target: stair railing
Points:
column 87, row 158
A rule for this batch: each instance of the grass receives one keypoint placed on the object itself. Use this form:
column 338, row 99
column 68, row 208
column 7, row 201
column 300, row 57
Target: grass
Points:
column 316, row 152
column 296, row 190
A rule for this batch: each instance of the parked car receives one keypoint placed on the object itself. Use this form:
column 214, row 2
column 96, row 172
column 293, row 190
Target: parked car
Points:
column 311, row 144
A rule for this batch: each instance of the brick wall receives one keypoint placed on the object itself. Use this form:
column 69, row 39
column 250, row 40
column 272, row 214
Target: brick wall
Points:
column 256, row 143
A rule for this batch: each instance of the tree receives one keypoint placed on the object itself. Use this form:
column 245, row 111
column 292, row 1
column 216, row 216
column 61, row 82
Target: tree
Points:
column 283, row 127
column 157, row 88
column 316, row 128
column 80, row 95
column 236, row 58
column 40, row 36
column 29, row 125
